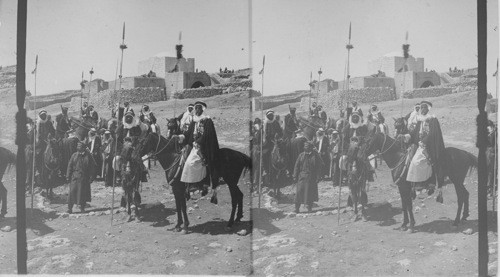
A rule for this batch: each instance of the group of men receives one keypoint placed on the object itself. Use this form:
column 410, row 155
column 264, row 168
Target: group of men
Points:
column 326, row 155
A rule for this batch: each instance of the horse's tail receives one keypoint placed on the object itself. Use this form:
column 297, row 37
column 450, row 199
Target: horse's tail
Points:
column 247, row 163
column 472, row 162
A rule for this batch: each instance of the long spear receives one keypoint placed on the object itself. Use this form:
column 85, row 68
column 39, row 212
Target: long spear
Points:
column 34, row 140
column 122, row 47
column 81, row 95
column 348, row 47
column 262, row 127
column 310, row 90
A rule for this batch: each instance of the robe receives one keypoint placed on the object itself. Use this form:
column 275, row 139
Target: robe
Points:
column 80, row 169
column 307, row 173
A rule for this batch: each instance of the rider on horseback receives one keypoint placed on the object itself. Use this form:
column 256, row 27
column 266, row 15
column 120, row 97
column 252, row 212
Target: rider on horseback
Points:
column 203, row 144
column 356, row 131
column 186, row 118
column 291, row 123
column 427, row 140
column 63, row 123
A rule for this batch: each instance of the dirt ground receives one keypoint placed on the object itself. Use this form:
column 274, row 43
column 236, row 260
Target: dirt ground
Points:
column 91, row 243
column 289, row 244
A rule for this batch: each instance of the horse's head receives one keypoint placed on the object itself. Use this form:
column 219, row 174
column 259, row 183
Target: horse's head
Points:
column 153, row 144
column 372, row 144
column 400, row 125
column 173, row 126
column 279, row 153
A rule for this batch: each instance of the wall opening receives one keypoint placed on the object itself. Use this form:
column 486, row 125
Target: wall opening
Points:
column 427, row 84
column 197, row 84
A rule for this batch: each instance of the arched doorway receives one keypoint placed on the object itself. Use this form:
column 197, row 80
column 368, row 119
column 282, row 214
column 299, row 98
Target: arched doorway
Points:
column 197, row 84
column 427, row 84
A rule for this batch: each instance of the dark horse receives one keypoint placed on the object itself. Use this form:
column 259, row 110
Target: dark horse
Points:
column 131, row 173
column 357, row 172
column 279, row 166
column 230, row 164
column 457, row 164
column 52, row 166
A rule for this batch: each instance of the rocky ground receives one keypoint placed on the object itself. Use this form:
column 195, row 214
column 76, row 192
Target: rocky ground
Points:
column 327, row 242
column 91, row 242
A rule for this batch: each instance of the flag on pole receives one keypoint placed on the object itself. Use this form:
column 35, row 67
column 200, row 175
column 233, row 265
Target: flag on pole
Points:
column 263, row 65
column 36, row 65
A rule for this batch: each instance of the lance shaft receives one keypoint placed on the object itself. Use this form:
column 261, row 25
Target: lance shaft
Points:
column 262, row 129
column 114, row 161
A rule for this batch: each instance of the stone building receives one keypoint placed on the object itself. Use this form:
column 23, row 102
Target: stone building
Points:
column 392, row 63
column 163, row 65
column 182, row 80
column 368, row 82
column 410, row 80
column 96, row 85
column 326, row 85
column 138, row 82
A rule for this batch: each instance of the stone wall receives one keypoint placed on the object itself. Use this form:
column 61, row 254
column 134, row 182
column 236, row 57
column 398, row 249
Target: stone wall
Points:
column 427, row 92
column 138, row 82
column 333, row 100
column 105, row 100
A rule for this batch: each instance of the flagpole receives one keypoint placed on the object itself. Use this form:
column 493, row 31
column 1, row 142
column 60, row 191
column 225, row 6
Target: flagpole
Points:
column 122, row 47
column 90, row 83
column 262, row 128
column 34, row 143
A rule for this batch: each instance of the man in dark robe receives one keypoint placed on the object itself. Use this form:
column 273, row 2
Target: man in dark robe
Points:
column 322, row 115
column 80, row 170
column 307, row 174
column 146, row 115
column 93, row 115
column 94, row 145
column 322, row 144
column 108, row 150
column 291, row 124
column 272, row 131
column 356, row 130
column 129, row 128
column 43, row 129
column 63, row 123
column 85, row 112
column 313, row 110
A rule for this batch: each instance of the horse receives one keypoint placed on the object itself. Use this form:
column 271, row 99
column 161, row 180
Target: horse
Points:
column 357, row 171
column 229, row 164
column 279, row 166
column 81, row 127
column 457, row 165
column 51, row 166
column 67, row 147
column 131, row 173
column 400, row 125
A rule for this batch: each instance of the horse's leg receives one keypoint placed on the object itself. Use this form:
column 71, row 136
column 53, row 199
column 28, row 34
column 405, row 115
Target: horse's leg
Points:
column 234, row 203
column 129, row 210
column 465, row 198
column 239, row 197
column 178, row 196
column 403, row 190
column 184, row 213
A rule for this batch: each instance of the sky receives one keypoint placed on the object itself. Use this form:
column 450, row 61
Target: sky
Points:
column 299, row 36
column 74, row 36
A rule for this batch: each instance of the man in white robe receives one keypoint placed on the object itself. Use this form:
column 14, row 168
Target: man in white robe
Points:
column 195, row 169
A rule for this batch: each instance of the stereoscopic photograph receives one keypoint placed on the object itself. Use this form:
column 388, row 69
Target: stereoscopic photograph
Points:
column 249, row 137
